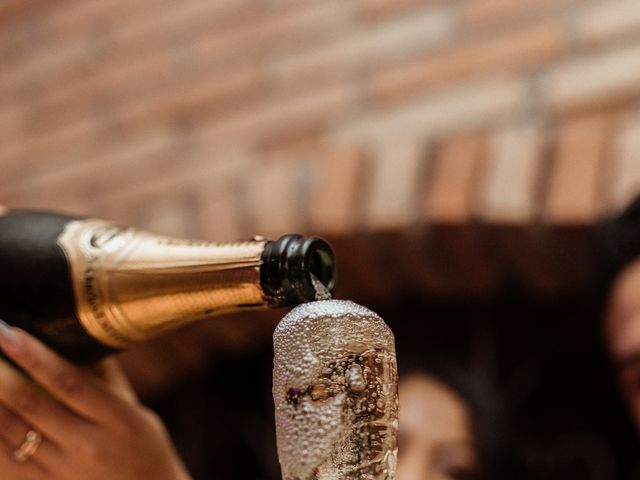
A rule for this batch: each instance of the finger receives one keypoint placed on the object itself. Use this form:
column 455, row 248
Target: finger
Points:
column 69, row 384
column 12, row 470
column 114, row 379
column 13, row 429
column 29, row 402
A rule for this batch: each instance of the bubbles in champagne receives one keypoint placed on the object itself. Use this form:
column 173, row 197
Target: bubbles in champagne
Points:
column 322, row 292
column 335, row 393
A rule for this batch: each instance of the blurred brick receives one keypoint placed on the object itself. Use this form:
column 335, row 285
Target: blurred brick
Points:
column 513, row 174
column 208, row 184
column 113, row 80
column 575, row 198
column 79, row 16
column 64, row 41
column 524, row 47
column 82, row 156
column 169, row 102
column 42, row 66
column 135, row 43
column 450, row 198
column 484, row 13
column 13, row 124
column 26, row 160
column 9, row 9
column 297, row 139
column 274, row 31
column 139, row 166
column 133, row 34
column 400, row 169
column 392, row 209
column 219, row 214
column 623, row 182
column 457, row 109
column 218, row 195
column 273, row 196
column 18, row 35
column 172, row 212
column 31, row 144
column 383, row 9
column 70, row 136
column 601, row 22
column 132, row 99
column 509, row 206
column 139, row 79
column 345, row 56
column 334, row 198
column 575, row 188
column 273, row 117
column 122, row 109
column 198, row 97
column 457, row 247
column 169, row 37
column 126, row 42
column 396, row 171
column 595, row 81
column 336, row 210
column 75, row 49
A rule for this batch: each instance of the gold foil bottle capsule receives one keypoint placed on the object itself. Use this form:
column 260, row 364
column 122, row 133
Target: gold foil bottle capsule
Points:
column 335, row 393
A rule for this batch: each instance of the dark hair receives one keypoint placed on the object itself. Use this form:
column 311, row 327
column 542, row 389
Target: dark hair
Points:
column 616, row 245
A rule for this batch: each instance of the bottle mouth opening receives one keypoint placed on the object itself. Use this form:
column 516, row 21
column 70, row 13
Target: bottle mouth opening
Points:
column 288, row 265
column 322, row 263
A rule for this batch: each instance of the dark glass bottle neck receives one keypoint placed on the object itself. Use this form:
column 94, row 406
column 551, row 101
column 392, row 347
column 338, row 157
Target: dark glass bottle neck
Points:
column 288, row 265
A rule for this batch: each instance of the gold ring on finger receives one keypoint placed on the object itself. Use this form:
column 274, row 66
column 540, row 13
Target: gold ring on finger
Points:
column 29, row 447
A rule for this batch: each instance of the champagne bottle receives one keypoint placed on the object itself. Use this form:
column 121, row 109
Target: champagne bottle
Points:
column 88, row 287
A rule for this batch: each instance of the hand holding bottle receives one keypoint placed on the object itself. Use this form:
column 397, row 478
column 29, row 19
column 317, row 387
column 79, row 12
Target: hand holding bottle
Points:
column 73, row 423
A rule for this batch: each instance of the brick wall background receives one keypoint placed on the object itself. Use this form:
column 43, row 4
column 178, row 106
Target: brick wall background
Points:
column 451, row 146
column 449, row 149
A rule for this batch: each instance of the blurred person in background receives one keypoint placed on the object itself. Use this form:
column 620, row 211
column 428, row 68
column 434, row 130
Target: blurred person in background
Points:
column 437, row 437
column 448, row 423
column 619, row 249
column 623, row 335
column 618, row 253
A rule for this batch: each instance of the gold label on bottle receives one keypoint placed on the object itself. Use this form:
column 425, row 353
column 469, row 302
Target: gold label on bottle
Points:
column 130, row 285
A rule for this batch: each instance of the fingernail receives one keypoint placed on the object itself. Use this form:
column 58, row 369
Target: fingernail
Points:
column 5, row 329
column 8, row 336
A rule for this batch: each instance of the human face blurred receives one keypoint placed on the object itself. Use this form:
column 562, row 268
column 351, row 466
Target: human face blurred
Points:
column 436, row 440
column 623, row 335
